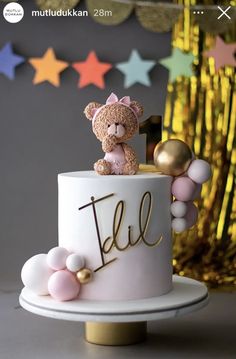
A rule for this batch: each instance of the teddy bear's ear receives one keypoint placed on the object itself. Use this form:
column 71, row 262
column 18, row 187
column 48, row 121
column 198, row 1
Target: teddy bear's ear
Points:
column 137, row 108
column 90, row 109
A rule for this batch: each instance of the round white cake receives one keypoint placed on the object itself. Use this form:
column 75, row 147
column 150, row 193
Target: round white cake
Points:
column 121, row 225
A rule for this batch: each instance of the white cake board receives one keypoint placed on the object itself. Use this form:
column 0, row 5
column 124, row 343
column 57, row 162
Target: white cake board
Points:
column 186, row 296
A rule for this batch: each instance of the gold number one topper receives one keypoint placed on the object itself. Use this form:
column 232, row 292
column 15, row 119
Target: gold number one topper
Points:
column 152, row 127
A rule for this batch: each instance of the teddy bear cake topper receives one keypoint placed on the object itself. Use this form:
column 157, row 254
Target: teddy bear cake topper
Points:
column 113, row 124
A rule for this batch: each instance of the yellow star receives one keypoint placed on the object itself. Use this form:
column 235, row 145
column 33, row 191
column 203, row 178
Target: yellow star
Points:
column 48, row 68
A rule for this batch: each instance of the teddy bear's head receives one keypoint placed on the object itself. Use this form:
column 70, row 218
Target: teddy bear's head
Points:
column 116, row 117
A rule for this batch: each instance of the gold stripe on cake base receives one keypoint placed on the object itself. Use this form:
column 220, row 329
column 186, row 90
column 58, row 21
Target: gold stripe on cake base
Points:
column 115, row 333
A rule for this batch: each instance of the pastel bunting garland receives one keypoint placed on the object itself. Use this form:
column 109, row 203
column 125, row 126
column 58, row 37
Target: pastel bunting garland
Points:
column 8, row 61
column 92, row 71
column 178, row 64
column 48, row 68
column 222, row 53
column 136, row 70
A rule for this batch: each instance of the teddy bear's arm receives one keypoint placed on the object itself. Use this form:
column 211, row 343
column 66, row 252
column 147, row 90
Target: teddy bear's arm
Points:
column 131, row 166
column 130, row 155
column 108, row 143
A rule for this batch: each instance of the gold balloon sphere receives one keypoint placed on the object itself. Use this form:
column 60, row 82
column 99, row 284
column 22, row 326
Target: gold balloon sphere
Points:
column 84, row 275
column 172, row 157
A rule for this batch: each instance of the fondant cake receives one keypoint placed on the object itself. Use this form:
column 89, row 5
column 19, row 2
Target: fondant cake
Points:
column 121, row 225
column 115, row 222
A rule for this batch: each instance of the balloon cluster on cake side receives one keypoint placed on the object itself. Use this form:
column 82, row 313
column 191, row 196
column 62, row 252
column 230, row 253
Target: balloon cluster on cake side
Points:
column 58, row 273
column 173, row 157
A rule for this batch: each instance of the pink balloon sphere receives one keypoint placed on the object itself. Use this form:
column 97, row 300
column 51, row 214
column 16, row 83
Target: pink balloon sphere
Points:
column 56, row 258
column 183, row 188
column 197, row 192
column 62, row 286
column 192, row 214
column 199, row 171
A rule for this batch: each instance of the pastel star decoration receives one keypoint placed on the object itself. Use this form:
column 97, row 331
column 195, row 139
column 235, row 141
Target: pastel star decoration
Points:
column 136, row 70
column 178, row 64
column 48, row 68
column 223, row 54
column 92, row 71
column 9, row 60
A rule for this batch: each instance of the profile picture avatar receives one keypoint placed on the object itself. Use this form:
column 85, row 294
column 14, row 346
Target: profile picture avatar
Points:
column 13, row 12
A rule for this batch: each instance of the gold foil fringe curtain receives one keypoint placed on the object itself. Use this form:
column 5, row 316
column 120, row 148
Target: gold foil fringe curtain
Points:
column 201, row 111
column 153, row 15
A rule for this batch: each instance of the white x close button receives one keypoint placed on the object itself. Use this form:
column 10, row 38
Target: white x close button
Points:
column 224, row 12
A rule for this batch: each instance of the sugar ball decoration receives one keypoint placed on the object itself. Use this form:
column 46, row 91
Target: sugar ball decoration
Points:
column 56, row 258
column 199, row 171
column 183, row 188
column 172, row 157
column 178, row 209
column 63, row 286
column 179, row 224
column 36, row 273
column 74, row 262
column 84, row 275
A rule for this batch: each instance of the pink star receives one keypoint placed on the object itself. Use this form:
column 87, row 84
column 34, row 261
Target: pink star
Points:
column 222, row 53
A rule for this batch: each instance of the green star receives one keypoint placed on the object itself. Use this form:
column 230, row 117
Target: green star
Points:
column 136, row 70
column 179, row 64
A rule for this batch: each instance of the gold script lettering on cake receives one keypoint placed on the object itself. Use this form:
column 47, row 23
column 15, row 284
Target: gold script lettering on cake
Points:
column 112, row 241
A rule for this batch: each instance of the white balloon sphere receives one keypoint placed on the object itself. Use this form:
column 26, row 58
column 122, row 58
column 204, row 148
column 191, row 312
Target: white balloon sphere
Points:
column 178, row 209
column 179, row 224
column 199, row 171
column 56, row 258
column 36, row 273
column 75, row 262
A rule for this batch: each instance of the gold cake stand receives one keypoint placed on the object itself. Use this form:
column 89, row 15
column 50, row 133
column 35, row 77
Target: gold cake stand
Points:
column 115, row 333
column 121, row 322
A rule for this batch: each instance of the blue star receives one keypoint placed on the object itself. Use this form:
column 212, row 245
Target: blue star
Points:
column 136, row 70
column 8, row 61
